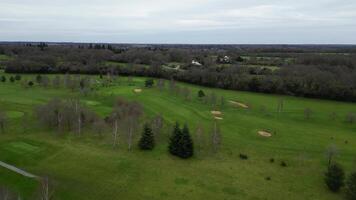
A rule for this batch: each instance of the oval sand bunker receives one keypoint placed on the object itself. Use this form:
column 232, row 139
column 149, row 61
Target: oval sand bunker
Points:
column 92, row 103
column 239, row 104
column 137, row 90
column 264, row 134
column 14, row 114
column 215, row 112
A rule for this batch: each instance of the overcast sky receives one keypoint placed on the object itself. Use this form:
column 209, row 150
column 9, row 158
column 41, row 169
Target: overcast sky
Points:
column 180, row 21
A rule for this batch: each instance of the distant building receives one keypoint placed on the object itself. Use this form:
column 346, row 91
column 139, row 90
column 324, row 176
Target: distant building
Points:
column 194, row 62
column 224, row 59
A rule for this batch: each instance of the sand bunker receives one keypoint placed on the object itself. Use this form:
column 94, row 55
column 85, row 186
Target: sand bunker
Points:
column 91, row 103
column 218, row 118
column 238, row 104
column 215, row 112
column 264, row 134
column 137, row 90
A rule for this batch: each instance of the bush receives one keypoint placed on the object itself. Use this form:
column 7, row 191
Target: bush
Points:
column 283, row 164
column 17, row 77
column 334, row 177
column 149, row 83
column 3, row 79
column 30, row 83
column 147, row 140
column 271, row 160
column 243, row 157
column 201, row 94
column 38, row 79
column 12, row 79
column 351, row 186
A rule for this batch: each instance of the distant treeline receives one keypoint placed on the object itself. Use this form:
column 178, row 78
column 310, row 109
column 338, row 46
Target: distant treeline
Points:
column 317, row 75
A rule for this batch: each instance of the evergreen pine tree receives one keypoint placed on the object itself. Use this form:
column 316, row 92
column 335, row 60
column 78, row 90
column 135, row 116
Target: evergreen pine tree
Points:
column 12, row 79
column 147, row 140
column 351, row 186
column 181, row 144
column 201, row 94
column 175, row 140
column 334, row 177
column 187, row 150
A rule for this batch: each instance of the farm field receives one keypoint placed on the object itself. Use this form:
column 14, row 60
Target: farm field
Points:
column 87, row 167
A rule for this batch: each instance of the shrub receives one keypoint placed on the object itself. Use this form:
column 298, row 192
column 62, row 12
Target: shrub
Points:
column 351, row 186
column 283, row 164
column 243, row 157
column 17, row 77
column 3, row 79
column 271, row 160
column 38, row 79
column 201, row 94
column 268, row 178
column 334, row 177
column 30, row 83
column 149, row 83
column 12, row 79
column 147, row 139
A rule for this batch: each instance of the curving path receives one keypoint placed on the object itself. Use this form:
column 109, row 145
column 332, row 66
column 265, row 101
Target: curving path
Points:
column 17, row 170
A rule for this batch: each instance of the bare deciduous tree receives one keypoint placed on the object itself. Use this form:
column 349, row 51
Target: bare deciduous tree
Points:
column 69, row 115
column 216, row 137
column 331, row 152
column 307, row 113
column 99, row 126
column 45, row 81
column 133, row 113
column 222, row 101
column 116, row 115
column 172, row 85
column 46, row 193
column 280, row 105
column 351, row 117
column 56, row 82
column 161, row 84
column 199, row 139
column 4, row 193
column 333, row 115
column 2, row 121
column 157, row 125
column 186, row 93
column 213, row 99
column 128, row 113
column 129, row 80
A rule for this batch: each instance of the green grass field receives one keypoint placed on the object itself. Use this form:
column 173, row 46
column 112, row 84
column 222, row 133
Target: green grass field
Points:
column 4, row 57
column 88, row 168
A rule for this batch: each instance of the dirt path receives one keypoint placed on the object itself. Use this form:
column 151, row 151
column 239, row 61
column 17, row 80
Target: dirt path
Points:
column 17, row 170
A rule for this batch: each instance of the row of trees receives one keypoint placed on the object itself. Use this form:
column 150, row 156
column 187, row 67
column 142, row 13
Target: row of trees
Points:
column 325, row 76
column 72, row 116
column 211, row 99
column 69, row 115
column 180, row 143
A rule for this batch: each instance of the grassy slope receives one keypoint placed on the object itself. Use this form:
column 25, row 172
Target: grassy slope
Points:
column 87, row 168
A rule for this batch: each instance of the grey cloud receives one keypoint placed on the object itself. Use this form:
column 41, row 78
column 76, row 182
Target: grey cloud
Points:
column 184, row 21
